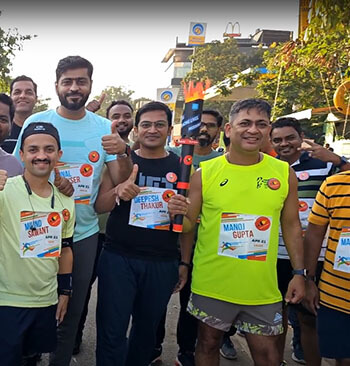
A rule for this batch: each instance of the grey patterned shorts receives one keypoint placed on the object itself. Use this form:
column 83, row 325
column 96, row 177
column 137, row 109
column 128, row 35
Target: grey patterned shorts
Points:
column 254, row 319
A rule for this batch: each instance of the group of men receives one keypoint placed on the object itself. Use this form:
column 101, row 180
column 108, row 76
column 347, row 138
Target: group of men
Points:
column 248, row 204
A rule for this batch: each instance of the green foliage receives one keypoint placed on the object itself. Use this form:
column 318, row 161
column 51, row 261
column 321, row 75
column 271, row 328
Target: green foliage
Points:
column 10, row 42
column 41, row 105
column 114, row 93
column 218, row 60
column 306, row 72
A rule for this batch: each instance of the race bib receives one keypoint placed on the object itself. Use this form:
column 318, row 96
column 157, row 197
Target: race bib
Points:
column 149, row 209
column 40, row 234
column 80, row 175
column 244, row 236
column 342, row 254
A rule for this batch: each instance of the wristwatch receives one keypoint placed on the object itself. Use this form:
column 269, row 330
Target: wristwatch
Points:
column 188, row 265
column 343, row 160
column 300, row 272
column 126, row 153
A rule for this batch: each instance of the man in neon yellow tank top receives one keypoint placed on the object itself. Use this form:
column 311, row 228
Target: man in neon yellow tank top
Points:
column 242, row 197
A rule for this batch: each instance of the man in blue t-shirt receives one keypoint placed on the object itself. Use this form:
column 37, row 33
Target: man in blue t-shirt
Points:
column 88, row 142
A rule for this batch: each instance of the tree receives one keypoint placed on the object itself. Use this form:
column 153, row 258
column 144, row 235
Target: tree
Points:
column 306, row 72
column 10, row 42
column 41, row 105
column 114, row 93
column 217, row 61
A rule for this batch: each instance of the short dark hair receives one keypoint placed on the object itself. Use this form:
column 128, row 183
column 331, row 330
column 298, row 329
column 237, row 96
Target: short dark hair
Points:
column 71, row 63
column 118, row 102
column 226, row 140
column 287, row 122
column 154, row 106
column 250, row 103
column 215, row 114
column 5, row 99
column 23, row 78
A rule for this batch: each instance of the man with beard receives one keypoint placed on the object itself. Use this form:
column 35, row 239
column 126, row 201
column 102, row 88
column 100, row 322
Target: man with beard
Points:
column 82, row 162
column 23, row 92
column 209, row 130
column 121, row 112
column 7, row 162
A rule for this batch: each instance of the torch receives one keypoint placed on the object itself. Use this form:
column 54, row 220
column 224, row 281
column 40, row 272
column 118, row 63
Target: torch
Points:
column 190, row 126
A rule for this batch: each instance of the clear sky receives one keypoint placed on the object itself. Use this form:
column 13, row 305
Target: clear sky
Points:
column 126, row 41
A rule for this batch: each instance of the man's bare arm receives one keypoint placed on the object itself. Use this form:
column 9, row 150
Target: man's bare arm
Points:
column 119, row 169
column 292, row 236
column 105, row 200
column 290, row 223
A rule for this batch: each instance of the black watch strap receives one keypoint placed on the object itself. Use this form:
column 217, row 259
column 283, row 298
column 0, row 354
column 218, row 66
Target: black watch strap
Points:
column 188, row 265
column 310, row 278
column 301, row 272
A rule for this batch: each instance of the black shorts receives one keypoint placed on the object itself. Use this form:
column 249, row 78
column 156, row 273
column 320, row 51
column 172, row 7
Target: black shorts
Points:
column 24, row 331
column 284, row 275
column 333, row 333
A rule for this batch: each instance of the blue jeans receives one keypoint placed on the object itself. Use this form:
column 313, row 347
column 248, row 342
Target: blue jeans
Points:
column 130, row 287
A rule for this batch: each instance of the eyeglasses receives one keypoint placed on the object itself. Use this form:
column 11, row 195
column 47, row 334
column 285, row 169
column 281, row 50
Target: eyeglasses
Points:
column 209, row 125
column 158, row 125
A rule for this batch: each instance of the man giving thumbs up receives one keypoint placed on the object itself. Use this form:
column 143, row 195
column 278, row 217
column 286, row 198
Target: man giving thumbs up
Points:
column 138, row 267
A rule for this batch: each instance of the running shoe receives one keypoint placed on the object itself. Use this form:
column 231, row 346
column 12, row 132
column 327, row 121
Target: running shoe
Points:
column 228, row 350
column 298, row 358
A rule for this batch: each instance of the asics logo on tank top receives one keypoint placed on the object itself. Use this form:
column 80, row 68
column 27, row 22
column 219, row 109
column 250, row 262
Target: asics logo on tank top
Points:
column 224, row 182
column 160, row 182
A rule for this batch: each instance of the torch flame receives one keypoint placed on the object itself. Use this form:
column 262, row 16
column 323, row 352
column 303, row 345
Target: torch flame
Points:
column 192, row 92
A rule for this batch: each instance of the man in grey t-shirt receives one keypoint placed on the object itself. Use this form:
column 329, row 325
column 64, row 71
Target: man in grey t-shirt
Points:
column 7, row 162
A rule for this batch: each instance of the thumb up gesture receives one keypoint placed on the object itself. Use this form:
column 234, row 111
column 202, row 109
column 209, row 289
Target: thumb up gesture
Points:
column 113, row 144
column 95, row 104
column 3, row 179
column 63, row 184
column 128, row 189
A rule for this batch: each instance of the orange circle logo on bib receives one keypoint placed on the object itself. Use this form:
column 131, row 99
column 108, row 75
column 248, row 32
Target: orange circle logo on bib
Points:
column 303, row 206
column 273, row 184
column 262, row 223
column 86, row 170
column 54, row 219
column 66, row 214
column 94, row 156
column 167, row 195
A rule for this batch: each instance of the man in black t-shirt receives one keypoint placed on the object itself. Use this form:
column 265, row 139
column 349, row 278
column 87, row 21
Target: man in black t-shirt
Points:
column 138, row 268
